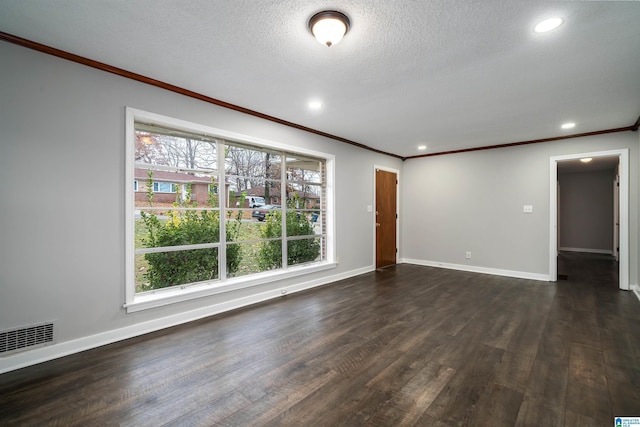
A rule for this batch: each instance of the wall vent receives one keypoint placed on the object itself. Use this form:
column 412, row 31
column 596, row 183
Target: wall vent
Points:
column 25, row 338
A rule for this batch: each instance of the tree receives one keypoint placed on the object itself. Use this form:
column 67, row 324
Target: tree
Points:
column 180, row 152
column 245, row 166
column 148, row 149
column 189, row 153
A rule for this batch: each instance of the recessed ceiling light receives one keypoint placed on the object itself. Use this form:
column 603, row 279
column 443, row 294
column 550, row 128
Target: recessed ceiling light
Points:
column 569, row 125
column 422, row 147
column 548, row 25
column 586, row 160
column 315, row 105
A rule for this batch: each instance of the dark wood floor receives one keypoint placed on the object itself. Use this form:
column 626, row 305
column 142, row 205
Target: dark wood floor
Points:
column 410, row 345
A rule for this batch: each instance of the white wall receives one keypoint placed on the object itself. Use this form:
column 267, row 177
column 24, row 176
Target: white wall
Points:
column 474, row 202
column 586, row 211
column 62, row 218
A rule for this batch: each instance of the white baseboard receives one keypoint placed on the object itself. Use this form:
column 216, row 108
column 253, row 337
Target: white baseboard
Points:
column 636, row 290
column 43, row 354
column 588, row 251
column 482, row 270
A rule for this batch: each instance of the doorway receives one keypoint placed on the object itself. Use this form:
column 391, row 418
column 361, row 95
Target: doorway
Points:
column 386, row 217
column 622, row 157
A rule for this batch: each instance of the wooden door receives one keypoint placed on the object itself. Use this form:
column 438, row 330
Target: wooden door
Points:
column 386, row 217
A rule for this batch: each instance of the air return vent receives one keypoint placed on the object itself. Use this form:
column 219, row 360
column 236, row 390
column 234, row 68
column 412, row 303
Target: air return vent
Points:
column 25, row 338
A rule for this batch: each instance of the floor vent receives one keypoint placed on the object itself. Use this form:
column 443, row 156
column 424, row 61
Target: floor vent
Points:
column 25, row 338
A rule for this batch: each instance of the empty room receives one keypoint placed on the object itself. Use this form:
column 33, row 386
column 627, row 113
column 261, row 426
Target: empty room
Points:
column 319, row 213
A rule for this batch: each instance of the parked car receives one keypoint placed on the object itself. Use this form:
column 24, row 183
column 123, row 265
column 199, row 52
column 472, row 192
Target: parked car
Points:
column 263, row 211
column 255, row 201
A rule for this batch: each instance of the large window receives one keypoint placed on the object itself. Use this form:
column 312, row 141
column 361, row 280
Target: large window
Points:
column 194, row 224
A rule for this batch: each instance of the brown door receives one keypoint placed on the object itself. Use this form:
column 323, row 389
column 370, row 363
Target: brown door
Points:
column 386, row 184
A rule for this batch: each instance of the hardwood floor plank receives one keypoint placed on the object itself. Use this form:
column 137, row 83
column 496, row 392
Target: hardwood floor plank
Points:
column 562, row 308
column 625, row 394
column 346, row 395
column 527, row 336
column 584, row 328
column 210, row 412
column 411, row 345
column 587, row 366
column 502, row 328
column 555, row 345
column 497, row 406
column 587, row 389
column 536, row 411
column 409, row 403
column 514, row 370
column 580, row 420
column 548, row 380
column 457, row 399
column 279, row 400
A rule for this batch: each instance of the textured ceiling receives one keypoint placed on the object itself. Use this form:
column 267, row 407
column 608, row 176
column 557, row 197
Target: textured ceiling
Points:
column 449, row 74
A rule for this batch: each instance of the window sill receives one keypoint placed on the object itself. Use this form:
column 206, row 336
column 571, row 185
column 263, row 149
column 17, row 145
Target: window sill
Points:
column 171, row 296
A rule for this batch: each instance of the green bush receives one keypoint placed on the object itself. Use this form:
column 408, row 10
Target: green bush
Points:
column 298, row 251
column 187, row 228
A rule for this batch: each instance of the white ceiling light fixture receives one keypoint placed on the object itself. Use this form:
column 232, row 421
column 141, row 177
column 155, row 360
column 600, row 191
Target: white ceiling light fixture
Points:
column 569, row 125
column 329, row 26
column 586, row 159
column 422, row 147
column 315, row 105
column 548, row 25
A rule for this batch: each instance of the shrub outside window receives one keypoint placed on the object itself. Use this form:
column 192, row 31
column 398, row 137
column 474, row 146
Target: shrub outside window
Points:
column 190, row 223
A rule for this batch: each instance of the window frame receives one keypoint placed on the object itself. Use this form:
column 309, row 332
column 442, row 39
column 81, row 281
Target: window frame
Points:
column 173, row 190
column 137, row 302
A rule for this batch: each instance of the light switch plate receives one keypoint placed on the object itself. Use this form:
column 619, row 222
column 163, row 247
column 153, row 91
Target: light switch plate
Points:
column 527, row 209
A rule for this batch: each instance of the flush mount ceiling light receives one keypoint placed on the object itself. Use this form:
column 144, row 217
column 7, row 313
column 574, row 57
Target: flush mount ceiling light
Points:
column 329, row 26
column 422, row 147
column 548, row 25
column 586, row 159
column 569, row 125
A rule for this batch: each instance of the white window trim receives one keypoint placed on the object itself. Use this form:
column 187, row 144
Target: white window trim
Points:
column 163, row 297
column 172, row 184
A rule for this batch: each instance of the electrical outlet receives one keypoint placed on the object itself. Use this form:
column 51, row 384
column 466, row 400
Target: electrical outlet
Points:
column 468, row 255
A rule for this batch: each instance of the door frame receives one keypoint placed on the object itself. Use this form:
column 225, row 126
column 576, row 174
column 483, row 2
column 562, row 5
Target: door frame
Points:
column 616, row 215
column 623, row 155
column 373, row 216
